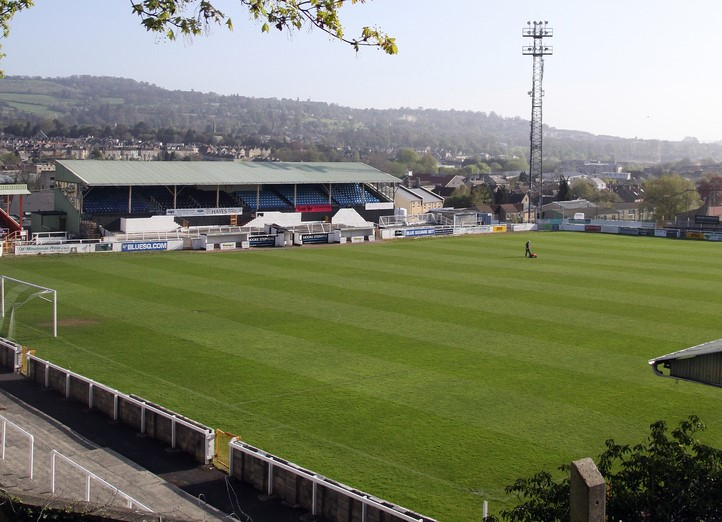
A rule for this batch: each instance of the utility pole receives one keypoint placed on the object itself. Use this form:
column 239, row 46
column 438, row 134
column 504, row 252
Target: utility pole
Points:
column 538, row 31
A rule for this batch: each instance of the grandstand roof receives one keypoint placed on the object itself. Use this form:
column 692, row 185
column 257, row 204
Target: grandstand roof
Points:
column 215, row 173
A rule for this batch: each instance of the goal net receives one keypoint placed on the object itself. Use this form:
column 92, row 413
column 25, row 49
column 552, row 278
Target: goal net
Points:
column 29, row 311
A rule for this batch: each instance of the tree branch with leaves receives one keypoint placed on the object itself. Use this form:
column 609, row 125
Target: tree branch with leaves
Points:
column 669, row 195
column 8, row 9
column 669, row 476
column 173, row 18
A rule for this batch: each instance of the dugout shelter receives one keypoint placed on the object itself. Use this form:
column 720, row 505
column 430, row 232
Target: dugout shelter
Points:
column 96, row 193
column 701, row 363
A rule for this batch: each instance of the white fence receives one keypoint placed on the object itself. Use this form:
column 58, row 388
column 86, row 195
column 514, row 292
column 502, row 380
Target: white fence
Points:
column 164, row 425
column 74, row 386
column 319, row 482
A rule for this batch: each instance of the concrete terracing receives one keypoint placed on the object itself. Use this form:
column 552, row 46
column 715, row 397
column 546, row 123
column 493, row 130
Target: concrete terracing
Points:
column 169, row 482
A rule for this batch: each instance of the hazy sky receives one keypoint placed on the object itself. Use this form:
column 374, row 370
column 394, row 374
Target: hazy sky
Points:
column 633, row 68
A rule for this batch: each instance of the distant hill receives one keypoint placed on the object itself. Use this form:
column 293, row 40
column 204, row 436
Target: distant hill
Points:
column 92, row 105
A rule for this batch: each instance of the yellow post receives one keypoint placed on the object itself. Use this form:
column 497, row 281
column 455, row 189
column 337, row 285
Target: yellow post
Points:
column 24, row 360
column 221, row 456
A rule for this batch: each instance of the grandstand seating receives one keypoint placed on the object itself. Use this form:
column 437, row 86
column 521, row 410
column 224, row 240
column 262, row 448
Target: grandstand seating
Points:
column 267, row 200
column 352, row 194
column 207, row 198
column 162, row 197
column 114, row 200
column 305, row 194
column 157, row 199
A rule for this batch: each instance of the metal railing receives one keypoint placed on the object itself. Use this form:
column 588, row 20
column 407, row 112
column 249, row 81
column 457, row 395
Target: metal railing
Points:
column 89, row 476
column 6, row 423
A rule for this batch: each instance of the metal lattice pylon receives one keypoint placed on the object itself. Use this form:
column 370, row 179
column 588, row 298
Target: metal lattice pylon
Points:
column 538, row 31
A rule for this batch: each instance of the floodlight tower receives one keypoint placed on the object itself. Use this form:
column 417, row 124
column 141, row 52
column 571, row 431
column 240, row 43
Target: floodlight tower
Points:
column 538, row 31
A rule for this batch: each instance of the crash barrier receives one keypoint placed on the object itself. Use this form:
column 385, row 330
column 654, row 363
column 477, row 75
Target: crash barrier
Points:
column 130, row 502
column 149, row 419
column 10, row 355
column 22, row 432
column 321, row 496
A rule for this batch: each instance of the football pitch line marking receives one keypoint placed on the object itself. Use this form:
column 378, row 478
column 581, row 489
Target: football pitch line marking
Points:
column 282, row 425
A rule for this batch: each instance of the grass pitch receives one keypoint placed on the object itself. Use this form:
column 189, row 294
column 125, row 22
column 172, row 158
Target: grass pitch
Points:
column 430, row 373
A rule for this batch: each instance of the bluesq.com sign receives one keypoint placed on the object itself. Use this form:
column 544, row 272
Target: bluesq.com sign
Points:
column 144, row 246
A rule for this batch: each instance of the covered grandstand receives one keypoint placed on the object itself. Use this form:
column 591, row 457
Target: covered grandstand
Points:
column 100, row 193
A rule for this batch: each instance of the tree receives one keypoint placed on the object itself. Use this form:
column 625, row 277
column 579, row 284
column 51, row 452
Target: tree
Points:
column 519, row 164
column 501, row 195
column 407, row 156
column 428, row 164
column 670, row 476
column 495, row 167
column 171, row 18
column 481, row 195
column 565, row 193
column 710, row 190
column 582, row 189
column 460, row 198
column 669, row 195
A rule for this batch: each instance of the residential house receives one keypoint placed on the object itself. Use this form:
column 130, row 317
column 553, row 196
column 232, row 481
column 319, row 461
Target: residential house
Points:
column 416, row 200
column 443, row 185
column 629, row 193
column 620, row 212
column 511, row 213
column 567, row 209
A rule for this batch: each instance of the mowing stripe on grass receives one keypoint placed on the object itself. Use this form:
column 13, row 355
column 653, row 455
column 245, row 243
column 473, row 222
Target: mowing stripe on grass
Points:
column 428, row 372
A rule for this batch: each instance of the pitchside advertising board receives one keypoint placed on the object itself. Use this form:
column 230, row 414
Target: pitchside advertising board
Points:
column 314, row 208
column 706, row 220
column 311, row 239
column 148, row 246
column 262, row 240
column 417, row 232
column 190, row 212
column 634, row 231
column 145, row 246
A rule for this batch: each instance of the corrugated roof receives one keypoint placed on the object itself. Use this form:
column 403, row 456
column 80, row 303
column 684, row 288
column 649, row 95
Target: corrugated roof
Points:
column 126, row 173
column 701, row 349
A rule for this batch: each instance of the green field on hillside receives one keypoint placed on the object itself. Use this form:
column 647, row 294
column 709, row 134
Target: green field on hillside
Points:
column 38, row 104
column 430, row 372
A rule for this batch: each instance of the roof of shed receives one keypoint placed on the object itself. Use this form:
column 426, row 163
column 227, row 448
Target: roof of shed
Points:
column 701, row 363
column 700, row 349
column 421, row 193
column 215, row 173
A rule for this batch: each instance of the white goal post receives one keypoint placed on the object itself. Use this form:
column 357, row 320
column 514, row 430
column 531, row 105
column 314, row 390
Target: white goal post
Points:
column 16, row 295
